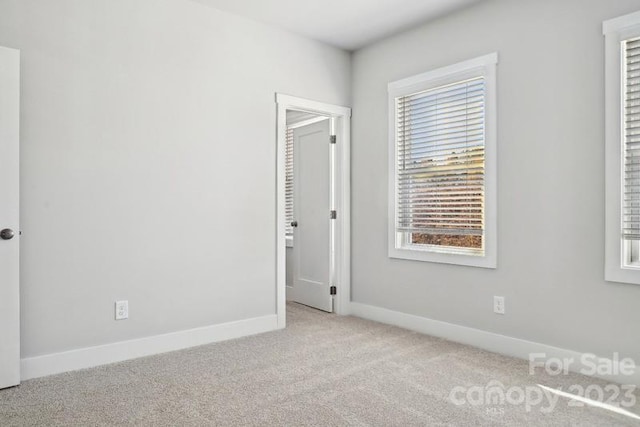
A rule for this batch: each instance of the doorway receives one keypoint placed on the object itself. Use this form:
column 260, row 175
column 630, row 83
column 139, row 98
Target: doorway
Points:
column 313, row 201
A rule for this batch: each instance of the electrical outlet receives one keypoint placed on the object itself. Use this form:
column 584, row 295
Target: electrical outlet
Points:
column 498, row 305
column 122, row 310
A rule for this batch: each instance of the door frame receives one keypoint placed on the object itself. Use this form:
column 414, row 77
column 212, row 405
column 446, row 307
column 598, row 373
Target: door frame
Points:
column 10, row 215
column 341, row 184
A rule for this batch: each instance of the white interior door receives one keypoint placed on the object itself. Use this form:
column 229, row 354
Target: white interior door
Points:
column 9, row 218
column 311, row 237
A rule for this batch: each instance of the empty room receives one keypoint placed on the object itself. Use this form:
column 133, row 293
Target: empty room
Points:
column 318, row 213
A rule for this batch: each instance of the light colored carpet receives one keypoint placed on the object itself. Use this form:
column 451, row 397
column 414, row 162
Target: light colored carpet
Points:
column 322, row 370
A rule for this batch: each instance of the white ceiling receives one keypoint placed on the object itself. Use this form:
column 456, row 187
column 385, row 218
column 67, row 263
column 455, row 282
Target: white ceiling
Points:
column 349, row 24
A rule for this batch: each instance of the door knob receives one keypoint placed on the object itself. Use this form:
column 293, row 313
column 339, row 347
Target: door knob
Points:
column 294, row 223
column 7, row 234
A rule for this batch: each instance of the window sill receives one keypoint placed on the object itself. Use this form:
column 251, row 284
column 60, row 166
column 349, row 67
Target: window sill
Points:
column 470, row 260
column 619, row 274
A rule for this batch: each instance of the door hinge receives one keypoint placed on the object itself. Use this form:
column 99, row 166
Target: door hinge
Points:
column 332, row 139
column 332, row 290
column 333, row 215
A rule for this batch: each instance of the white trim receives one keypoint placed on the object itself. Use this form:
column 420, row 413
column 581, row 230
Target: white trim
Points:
column 490, row 341
column 408, row 84
column 289, row 240
column 321, row 108
column 49, row 364
column 620, row 23
column 615, row 30
column 343, row 199
column 481, row 66
column 307, row 122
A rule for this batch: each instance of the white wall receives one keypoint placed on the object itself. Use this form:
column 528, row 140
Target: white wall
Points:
column 148, row 163
column 550, row 178
column 130, row 119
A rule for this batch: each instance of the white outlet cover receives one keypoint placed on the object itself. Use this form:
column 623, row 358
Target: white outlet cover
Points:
column 122, row 310
column 498, row 305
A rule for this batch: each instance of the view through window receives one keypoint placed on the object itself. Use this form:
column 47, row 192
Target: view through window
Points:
column 440, row 182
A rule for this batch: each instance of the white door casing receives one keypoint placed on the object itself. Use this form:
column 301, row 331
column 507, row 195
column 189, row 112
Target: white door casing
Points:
column 312, row 237
column 341, row 199
column 9, row 218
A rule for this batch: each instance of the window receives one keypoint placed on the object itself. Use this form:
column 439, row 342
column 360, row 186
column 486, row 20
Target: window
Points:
column 442, row 165
column 622, row 148
column 289, row 185
column 631, row 150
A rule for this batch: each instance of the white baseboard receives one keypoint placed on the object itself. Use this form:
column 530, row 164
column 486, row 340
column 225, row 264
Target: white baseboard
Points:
column 49, row 364
column 490, row 341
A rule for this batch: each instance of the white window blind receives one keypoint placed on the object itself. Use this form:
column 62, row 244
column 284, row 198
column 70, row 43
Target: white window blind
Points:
column 631, row 140
column 622, row 148
column 440, row 142
column 289, row 183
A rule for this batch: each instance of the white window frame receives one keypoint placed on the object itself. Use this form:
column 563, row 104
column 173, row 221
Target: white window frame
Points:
column 398, row 247
column 615, row 31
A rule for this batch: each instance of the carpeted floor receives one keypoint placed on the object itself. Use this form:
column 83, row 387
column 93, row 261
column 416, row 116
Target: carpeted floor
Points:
column 322, row 370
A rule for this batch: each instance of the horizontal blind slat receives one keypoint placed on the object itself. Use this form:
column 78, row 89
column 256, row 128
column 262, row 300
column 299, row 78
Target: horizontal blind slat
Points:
column 440, row 160
column 631, row 141
column 289, row 182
